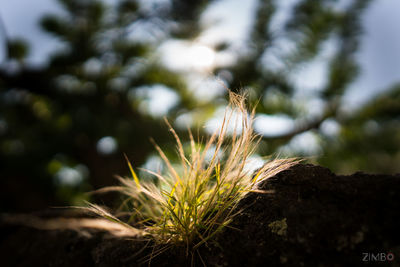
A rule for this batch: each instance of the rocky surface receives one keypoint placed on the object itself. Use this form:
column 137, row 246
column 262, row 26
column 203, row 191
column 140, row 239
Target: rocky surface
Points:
column 314, row 218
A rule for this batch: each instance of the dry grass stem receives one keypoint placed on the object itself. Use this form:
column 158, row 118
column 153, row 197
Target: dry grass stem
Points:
column 190, row 205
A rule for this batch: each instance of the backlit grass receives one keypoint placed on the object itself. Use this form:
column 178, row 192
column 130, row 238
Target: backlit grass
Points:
column 190, row 204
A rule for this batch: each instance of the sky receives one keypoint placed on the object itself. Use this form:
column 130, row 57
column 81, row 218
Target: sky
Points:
column 228, row 20
column 379, row 55
column 21, row 19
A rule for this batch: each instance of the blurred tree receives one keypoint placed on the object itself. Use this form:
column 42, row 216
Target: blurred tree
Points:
column 369, row 139
column 73, row 118
column 65, row 125
column 275, row 56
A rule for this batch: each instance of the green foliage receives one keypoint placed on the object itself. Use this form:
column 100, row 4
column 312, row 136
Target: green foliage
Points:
column 17, row 49
column 89, row 88
column 86, row 91
column 369, row 138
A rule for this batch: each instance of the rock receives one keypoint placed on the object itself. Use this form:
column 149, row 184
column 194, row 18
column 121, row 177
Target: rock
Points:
column 313, row 218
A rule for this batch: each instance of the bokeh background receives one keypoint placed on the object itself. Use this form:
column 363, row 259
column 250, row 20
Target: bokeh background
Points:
column 84, row 81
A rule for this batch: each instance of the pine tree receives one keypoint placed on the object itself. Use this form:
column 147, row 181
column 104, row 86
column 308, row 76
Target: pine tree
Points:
column 54, row 115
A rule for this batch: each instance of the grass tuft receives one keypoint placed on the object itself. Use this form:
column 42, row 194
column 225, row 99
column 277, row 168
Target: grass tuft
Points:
column 190, row 205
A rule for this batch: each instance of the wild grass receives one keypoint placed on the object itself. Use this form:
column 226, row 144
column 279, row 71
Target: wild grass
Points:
column 190, row 204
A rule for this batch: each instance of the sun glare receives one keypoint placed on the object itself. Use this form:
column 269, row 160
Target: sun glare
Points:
column 201, row 56
column 184, row 56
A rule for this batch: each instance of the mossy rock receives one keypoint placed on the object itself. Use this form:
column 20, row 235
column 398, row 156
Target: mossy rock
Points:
column 313, row 218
